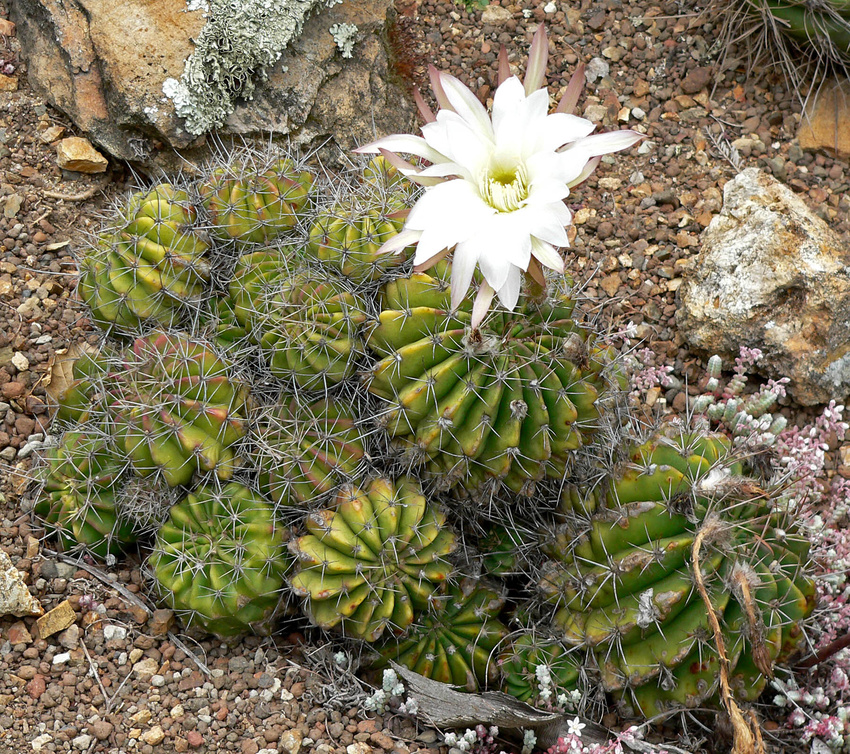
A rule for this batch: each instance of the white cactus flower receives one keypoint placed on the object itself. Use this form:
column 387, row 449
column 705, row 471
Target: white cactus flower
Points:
column 496, row 186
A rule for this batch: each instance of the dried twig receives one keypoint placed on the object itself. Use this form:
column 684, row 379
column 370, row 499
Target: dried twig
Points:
column 744, row 741
column 93, row 671
column 81, row 196
column 197, row 660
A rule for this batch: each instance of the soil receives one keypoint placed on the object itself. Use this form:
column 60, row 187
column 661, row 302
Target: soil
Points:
column 146, row 686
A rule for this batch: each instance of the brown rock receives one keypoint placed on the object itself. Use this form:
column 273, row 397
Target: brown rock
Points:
column 104, row 63
column 611, row 284
column 102, row 729
column 51, row 134
column 77, row 154
column 7, row 28
column 56, row 620
column 17, row 633
column 24, row 425
column 37, row 686
column 161, row 622
column 826, row 120
column 696, row 80
column 13, row 389
column 8, row 83
column 195, row 739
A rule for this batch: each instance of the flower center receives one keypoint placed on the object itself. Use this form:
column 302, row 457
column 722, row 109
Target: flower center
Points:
column 504, row 186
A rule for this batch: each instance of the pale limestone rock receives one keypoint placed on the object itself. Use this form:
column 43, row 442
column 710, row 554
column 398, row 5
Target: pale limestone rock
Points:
column 15, row 598
column 77, row 154
column 495, row 15
column 772, row 275
column 290, row 740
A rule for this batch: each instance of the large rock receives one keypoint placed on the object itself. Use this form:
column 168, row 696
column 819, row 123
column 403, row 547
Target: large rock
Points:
column 772, row 275
column 104, row 63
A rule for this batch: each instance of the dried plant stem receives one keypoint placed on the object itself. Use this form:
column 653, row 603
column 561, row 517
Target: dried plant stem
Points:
column 80, row 196
column 842, row 642
column 745, row 740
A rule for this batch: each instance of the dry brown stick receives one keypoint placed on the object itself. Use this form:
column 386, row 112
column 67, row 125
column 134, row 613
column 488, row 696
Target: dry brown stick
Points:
column 80, row 196
column 744, row 742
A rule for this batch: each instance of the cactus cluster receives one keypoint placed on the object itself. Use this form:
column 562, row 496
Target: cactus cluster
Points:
column 325, row 430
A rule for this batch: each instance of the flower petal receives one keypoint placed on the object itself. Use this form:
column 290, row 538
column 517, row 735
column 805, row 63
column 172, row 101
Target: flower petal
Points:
column 482, row 304
column 400, row 242
column 546, row 255
column 464, row 261
column 599, row 144
column 538, row 54
column 509, row 292
column 467, row 105
column 407, row 143
column 451, row 203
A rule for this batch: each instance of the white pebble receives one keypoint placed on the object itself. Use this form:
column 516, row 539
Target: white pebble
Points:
column 61, row 658
column 41, row 741
column 157, row 680
column 638, row 113
column 82, row 743
column 20, row 362
column 114, row 632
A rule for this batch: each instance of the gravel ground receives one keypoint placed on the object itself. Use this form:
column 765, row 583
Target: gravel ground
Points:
column 117, row 680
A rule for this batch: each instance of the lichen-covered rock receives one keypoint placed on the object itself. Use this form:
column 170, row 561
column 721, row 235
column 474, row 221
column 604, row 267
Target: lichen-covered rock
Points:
column 772, row 275
column 137, row 74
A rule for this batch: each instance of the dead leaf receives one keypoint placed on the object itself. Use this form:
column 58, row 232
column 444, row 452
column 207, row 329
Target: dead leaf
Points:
column 60, row 370
column 57, row 245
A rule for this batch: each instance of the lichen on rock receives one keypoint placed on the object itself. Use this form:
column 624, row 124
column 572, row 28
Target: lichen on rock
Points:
column 241, row 38
column 345, row 35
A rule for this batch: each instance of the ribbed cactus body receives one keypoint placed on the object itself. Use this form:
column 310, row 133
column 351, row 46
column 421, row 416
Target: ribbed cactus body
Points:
column 220, row 559
column 151, row 266
column 309, row 450
column 77, row 499
column 373, row 559
column 537, row 670
column 626, row 589
column 178, row 409
column 251, row 207
column 348, row 238
column 306, row 325
column 454, row 640
column 510, row 400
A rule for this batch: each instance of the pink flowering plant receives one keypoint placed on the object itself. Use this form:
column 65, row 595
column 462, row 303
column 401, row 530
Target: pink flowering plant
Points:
column 496, row 183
